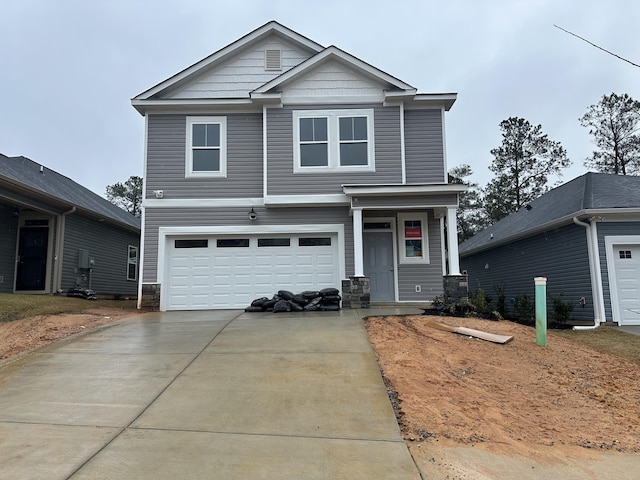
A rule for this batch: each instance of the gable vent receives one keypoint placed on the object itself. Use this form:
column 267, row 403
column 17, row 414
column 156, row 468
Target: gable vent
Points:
column 273, row 59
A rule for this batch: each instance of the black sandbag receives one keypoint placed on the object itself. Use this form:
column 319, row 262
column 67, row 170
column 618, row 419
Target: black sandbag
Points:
column 295, row 307
column 253, row 309
column 330, row 308
column 286, row 294
column 331, row 299
column 329, row 291
column 270, row 303
column 313, row 304
column 299, row 299
column 310, row 294
column 259, row 302
column 282, row 306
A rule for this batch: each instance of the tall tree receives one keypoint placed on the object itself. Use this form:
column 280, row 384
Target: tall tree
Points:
column 614, row 123
column 522, row 164
column 470, row 214
column 127, row 195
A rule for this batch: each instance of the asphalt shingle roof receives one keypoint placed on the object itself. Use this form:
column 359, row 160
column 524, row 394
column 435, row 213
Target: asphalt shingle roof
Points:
column 591, row 191
column 26, row 173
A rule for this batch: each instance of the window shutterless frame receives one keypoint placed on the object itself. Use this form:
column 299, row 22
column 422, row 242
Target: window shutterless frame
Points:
column 206, row 147
column 327, row 141
column 132, row 263
column 413, row 238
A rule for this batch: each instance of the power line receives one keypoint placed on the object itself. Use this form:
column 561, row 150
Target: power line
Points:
column 598, row 47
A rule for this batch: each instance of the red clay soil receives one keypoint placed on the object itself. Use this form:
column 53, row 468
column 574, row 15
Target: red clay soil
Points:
column 520, row 399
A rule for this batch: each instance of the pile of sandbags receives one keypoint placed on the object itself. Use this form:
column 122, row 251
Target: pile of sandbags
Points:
column 327, row 299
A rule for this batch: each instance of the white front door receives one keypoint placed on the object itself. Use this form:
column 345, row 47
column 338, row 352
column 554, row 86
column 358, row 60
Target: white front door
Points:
column 626, row 260
column 230, row 271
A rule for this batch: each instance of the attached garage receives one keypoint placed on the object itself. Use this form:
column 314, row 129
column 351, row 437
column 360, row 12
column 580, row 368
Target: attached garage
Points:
column 623, row 261
column 217, row 271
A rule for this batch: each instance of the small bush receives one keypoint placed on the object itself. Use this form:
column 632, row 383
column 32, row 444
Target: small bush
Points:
column 561, row 310
column 523, row 308
column 501, row 302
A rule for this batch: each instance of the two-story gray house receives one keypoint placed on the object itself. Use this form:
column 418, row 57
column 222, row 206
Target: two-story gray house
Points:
column 278, row 163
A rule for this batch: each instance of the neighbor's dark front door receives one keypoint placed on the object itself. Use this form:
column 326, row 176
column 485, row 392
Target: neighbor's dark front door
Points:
column 32, row 258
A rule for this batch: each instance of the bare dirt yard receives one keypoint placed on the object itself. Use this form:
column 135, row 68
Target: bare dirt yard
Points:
column 471, row 409
column 21, row 336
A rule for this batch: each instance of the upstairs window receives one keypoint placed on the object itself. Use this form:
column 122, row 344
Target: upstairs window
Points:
column 206, row 153
column 333, row 140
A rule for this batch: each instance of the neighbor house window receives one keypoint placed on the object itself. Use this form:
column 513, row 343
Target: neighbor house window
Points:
column 413, row 238
column 206, row 154
column 333, row 140
column 132, row 263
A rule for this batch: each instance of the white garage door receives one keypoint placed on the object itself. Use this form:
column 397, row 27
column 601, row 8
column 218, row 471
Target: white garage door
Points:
column 222, row 271
column 627, row 272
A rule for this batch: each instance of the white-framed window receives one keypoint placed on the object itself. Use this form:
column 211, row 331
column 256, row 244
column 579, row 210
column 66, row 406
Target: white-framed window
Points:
column 333, row 140
column 206, row 154
column 413, row 238
column 132, row 263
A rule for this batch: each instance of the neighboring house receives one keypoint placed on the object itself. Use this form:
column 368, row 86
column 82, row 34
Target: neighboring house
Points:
column 57, row 235
column 277, row 163
column 583, row 236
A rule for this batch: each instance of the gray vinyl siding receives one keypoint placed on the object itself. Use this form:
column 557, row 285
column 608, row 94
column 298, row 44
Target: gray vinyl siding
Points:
column 282, row 181
column 608, row 229
column 428, row 276
column 424, row 149
column 176, row 217
column 8, row 245
column 107, row 245
column 166, row 163
column 560, row 255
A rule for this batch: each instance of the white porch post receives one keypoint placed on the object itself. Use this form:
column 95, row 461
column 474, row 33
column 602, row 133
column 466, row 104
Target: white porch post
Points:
column 452, row 241
column 357, row 243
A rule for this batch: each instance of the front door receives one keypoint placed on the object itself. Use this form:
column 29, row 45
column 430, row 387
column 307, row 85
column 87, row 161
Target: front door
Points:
column 31, row 273
column 378, row 265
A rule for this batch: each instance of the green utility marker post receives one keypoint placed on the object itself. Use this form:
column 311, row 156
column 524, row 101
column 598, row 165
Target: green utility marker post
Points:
column 541, row 310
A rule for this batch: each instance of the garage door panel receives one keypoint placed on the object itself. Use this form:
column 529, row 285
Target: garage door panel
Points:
column 627, row 274
column 232, row 276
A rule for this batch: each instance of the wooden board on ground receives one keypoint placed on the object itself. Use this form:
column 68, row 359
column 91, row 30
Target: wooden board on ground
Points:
column 470, row 332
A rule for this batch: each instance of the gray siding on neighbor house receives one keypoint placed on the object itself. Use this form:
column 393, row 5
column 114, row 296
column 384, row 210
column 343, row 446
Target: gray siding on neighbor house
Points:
column 166, row 149
column 8, row 245
column 107, row 246
column 232, row 216
column 281, row 179
column 560, row 255
column 428, row 276
column 424, row 147
column 608, row 229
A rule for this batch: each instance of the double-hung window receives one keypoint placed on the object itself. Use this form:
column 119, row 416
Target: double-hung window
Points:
column 206, row 154
column 333, row 140
column 132, row 263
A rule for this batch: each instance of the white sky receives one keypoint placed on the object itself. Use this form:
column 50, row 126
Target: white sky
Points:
column 68, row 68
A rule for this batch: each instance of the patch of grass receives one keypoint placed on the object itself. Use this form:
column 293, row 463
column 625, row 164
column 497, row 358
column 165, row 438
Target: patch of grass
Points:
column 15, row 307
column 605, row 339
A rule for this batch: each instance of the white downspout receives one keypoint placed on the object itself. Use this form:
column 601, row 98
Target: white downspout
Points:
column 59, row 249
column 592, row 252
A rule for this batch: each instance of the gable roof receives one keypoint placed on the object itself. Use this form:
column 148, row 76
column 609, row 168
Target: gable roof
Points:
column 334, row 53
column 231, row 49
column 26, row 175
column 587, row 195
column 391, row 87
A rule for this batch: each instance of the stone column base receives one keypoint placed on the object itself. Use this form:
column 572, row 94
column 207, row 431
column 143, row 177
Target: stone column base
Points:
column 150, row 296
column 356, row 292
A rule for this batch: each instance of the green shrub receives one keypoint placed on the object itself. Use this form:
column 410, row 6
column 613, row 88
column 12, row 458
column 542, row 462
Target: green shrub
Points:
column 523, row 308
column 561, row 310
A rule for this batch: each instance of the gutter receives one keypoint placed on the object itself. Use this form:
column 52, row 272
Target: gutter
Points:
column 594, row 269
column 59, row 249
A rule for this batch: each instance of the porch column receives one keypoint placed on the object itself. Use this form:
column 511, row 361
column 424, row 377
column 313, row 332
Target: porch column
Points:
column 357, row 243
column 452, row 241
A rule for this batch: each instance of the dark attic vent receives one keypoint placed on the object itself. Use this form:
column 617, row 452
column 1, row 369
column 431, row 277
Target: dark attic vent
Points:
column 273, row 59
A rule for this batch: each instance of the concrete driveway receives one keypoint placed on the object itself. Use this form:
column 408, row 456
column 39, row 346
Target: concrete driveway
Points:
column 215, row 394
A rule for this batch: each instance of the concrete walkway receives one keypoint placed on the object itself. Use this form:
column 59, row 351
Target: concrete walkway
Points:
column 215, row 394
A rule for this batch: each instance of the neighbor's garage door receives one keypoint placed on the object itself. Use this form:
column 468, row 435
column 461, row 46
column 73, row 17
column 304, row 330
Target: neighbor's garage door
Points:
column 627, row 265
column 211, row 272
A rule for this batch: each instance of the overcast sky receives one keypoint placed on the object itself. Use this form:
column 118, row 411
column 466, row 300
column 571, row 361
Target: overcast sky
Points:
column 69, row 68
